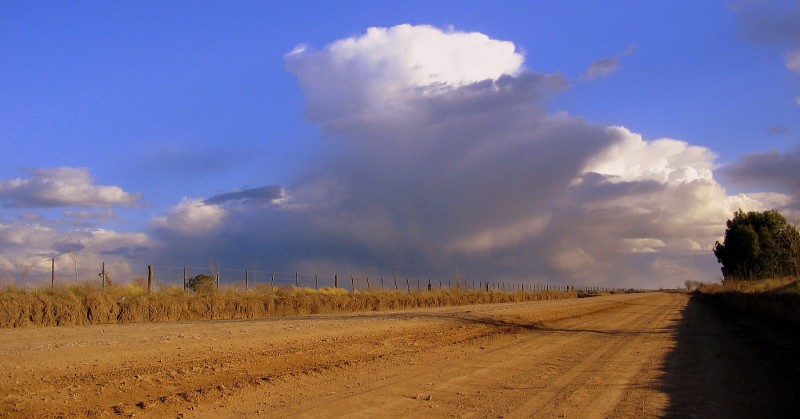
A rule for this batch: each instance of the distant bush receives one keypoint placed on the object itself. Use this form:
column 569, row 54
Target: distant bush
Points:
column 202, row 284
column 693, row 285
column 591, row 293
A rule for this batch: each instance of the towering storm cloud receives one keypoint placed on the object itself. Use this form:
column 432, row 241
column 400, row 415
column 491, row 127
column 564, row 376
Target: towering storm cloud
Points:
column 440, row 155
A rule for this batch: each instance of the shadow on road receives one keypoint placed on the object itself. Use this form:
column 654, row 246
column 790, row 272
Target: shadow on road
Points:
column 723, row 365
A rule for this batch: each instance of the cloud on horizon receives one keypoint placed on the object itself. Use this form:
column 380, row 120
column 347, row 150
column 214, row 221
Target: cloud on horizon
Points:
column 428, row 169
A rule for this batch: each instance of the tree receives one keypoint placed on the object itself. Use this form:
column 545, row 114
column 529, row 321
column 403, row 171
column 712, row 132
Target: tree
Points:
column 758, row 245
column 73, row 248
column 202, row 283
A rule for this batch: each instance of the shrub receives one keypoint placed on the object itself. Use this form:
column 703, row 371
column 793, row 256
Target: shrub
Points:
column 202, row 284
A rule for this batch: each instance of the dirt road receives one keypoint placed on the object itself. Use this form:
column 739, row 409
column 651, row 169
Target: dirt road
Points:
column 638, row 355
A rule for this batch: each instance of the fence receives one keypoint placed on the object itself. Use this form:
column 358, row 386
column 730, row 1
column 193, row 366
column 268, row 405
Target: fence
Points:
column 162, row 277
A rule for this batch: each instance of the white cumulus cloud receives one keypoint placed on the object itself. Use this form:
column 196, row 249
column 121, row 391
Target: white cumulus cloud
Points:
column 375, row 70
column 441, row 156
column 191, row 217
column 62, row 187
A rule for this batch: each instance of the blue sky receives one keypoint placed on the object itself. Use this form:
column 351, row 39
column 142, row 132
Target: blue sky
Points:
column 160, row 111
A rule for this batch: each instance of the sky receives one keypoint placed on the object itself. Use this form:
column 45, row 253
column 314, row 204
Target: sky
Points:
column 560, row 142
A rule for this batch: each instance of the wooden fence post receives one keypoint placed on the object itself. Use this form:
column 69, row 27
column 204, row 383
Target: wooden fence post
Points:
column 184, row 278
column 316, row 282
column 52, row 273
column 246, row 279
column 103, row 276
column 353, row 283
column 296, row 279
column 408, row 285
column 149, row 278
column 368, row 287
column 336, row 280
column 395, row 283
column 272, row 286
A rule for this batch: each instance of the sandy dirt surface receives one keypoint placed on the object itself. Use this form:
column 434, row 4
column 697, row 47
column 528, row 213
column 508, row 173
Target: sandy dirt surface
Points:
column 636, row 355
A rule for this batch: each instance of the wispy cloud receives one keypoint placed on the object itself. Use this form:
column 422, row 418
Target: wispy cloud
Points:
column 603, row 67
column 606, row 66
column 779, row 130
column 793, row 60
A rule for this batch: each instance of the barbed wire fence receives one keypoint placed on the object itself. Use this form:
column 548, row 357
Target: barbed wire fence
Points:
column 164, row 277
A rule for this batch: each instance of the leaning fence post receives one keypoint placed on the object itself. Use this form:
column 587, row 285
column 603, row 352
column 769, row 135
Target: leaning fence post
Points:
column 103, row 276
column 149, row 278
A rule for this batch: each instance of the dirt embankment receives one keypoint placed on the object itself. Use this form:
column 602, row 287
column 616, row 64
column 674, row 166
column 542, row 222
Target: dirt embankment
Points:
column 637, row 355
column 84, row 304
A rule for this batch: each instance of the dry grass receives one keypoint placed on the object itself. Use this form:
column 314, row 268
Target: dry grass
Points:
column 88, row 304
column 775, row 299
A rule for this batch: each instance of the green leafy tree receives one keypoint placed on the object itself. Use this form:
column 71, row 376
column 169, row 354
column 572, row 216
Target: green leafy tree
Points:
column 758, row 245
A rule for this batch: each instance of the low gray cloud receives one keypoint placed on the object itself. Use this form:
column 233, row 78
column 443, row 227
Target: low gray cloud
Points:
column 772, row 169
column 264, row 195
column 129, row 252
column 68, row 246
